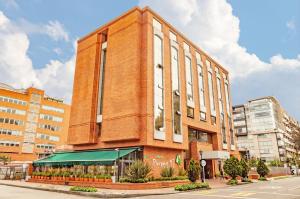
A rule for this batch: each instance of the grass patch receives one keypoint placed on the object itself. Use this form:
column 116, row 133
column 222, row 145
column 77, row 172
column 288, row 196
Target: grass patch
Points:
column 262, row 179
column 83, row 189
column 192, row 186
column 281, row 177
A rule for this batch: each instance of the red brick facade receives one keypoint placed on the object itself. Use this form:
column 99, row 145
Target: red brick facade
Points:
column 128, row 92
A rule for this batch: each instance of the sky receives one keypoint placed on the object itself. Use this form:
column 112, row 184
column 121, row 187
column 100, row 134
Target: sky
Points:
column 257, row 41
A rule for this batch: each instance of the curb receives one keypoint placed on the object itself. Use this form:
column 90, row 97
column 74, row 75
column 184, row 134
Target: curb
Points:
column 94, row 195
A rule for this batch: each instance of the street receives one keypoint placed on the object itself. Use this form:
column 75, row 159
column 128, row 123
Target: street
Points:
column 288, row 188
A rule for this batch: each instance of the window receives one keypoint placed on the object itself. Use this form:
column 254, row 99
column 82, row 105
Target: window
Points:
column 12, row 121
column 10, row 132
column 223, row 129
column 219, row 89
column 210, row 89
column 51, row 108
column 189, row 81
column 158, row 79
column 47, row 137
column 49, row 127
column 199, row 136
column 12, row 100
column 201, row 87
column 176, row 107
column 51, row 118
column 227, row 97
column 9, row 143
column 102, row 74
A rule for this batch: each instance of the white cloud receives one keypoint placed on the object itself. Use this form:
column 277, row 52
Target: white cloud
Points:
column 57, row 51
column 213, row 27
column 291, row 25
column 56, row 31
column 17, row 69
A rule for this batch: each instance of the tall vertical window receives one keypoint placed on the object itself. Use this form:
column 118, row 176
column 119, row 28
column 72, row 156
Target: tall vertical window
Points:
column 176, row 109
column 201, row 87
column 158, row 82
column 211, row 92
column 227, row 97
column 189, row 81
column 101, row 78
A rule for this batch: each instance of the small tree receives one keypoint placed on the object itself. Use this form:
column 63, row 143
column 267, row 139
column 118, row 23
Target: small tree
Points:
column 194, row 170
column 232, row 167
column 244, row 169
column 138, row 170
column 262, row 169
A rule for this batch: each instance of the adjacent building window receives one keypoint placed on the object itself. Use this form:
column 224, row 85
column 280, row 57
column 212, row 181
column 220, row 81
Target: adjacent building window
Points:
column 51, row 108
column 201, row 87
column 158, row 79
column 9, row 143
column 47, row 137
column 49, row 127
column 12, row 100
column 10, row 132
column 189, row 81
column 12, row 111
column 176, row 106
column 51, row 118
column 45, row 146
column 12, row 121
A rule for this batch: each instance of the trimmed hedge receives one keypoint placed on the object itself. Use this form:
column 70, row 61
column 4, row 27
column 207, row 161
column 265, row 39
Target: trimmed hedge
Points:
column 83, row 189
column 192, row 186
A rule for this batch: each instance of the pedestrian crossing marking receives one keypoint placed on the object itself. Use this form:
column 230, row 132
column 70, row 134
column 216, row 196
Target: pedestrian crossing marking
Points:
column 243, row 194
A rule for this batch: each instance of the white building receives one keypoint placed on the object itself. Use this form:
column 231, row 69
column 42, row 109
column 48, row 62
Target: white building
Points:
column 264, row 129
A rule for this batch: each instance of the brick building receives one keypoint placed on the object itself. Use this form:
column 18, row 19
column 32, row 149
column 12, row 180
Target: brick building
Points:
column 31, row 123
column 141, row 83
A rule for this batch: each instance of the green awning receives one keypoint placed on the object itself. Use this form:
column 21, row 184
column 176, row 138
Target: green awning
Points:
column 99, row 157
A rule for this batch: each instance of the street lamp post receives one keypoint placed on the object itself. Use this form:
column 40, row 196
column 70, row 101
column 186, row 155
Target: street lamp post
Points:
column 118, row 164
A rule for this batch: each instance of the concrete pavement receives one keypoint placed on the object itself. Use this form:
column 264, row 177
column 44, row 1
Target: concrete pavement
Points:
column 288, row 188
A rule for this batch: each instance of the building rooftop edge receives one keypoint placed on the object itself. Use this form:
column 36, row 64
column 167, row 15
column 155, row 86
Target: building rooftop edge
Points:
column 147, row 8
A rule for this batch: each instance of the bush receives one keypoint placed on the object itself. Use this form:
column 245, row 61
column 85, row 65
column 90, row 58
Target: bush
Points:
column 253, row 162
column 192, row 186
column 167, row 172
column 262, row 169
column 138, row 170
column 181, row 172
column 276, row 163
column 193, row 171
column 140, row 180
column 83, row 189
column 262, row 178
column 244, row 170
column 232, row 167
column 232, row 182
column 171, row 178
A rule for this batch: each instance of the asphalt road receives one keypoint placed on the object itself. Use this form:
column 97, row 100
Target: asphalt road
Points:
column 288, row 188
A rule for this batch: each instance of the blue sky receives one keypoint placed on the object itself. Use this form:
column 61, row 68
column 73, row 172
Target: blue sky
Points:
column 258, row 41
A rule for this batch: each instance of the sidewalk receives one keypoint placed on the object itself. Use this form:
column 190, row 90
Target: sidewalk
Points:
column 102, row 193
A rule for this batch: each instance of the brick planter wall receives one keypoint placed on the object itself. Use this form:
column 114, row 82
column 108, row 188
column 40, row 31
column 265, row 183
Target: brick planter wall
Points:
column 109, row 185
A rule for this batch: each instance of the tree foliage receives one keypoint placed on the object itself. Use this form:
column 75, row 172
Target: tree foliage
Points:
column 232, row 167
column 194, row 170
column 245, row 168
column 262, row 169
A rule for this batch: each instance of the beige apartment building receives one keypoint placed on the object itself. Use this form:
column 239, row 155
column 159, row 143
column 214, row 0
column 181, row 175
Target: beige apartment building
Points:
column 264, row 129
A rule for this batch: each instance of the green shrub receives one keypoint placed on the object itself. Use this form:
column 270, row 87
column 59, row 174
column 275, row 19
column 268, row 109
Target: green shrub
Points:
column 171, row 178
column 138, row 170
column 262, row 178
column 140, row 180
column 181, row 172
column 244, row 170
column 262, row 169
column 167, row 172
column 232, row 182
column 276, row 163
column 232, row 167
column 192, row 186
column 194, row 170
column 253, row 162
column 83, row 189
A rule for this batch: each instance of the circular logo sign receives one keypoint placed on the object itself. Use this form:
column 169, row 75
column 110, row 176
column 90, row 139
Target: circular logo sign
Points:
column 203, row 163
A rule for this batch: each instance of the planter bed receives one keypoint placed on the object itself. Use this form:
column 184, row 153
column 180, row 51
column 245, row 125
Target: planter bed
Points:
column 110, row 185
